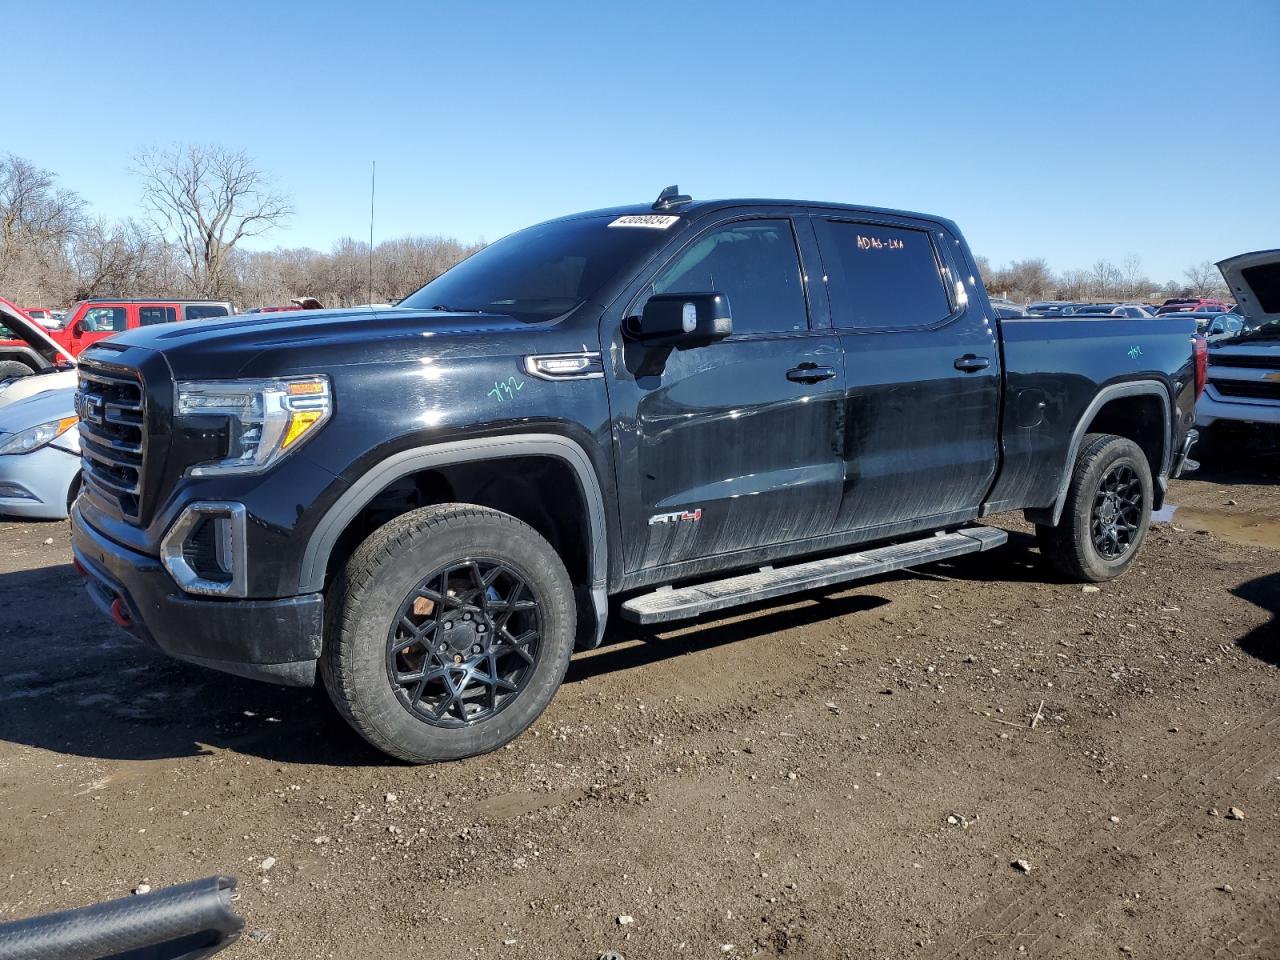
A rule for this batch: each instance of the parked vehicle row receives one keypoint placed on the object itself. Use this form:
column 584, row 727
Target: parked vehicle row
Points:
column 92, row 320
column 1063, row 308
column 47, row 318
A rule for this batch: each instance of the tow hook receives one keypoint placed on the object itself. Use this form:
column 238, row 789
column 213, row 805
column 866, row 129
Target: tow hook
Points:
column 120, row 614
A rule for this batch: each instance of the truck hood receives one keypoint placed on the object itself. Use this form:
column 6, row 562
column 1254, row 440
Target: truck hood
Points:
column 275, row 343
column 1254, row 279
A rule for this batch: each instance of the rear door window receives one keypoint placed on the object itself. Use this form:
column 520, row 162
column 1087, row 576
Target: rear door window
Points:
column 206, row 311
column 752, row 262
column 152, row 315
column 882, row 277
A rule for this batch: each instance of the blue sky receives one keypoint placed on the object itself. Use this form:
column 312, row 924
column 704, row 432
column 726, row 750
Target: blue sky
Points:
column 1069, row 130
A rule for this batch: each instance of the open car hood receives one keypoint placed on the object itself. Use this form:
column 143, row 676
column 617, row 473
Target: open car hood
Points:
column 1254, row 280
column 32, row 333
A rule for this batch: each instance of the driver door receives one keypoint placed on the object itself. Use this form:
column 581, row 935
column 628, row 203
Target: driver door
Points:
column 736, row 445
column 98, row 322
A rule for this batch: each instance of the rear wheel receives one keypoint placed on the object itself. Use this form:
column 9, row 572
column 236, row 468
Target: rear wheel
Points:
column 13, row 368
column 1107, row 511
column 449, row 631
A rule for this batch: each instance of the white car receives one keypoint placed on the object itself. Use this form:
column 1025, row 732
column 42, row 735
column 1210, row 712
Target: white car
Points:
column 1243, row 389
column 31, row 361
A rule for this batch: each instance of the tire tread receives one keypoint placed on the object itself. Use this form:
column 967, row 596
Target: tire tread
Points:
column 1062, row 545
column 343, row 602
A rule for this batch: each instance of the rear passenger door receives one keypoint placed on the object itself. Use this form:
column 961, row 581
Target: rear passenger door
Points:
column 923, row 373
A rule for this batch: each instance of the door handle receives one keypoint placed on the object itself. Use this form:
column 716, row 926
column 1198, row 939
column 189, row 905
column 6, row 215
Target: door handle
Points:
column 810, row 373
column 971, row 364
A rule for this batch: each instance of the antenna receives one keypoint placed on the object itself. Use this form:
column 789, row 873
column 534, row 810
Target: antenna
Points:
column 373, row 185
column 670, row 197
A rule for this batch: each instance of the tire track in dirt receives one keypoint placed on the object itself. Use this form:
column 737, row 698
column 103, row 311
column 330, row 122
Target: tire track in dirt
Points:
column 1028, row 918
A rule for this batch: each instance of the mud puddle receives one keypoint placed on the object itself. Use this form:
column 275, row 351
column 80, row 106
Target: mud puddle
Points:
column 1247, row 529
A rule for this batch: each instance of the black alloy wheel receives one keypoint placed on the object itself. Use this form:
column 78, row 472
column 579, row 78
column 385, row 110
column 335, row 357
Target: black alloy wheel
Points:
column 1117, row 512
column 465, row 642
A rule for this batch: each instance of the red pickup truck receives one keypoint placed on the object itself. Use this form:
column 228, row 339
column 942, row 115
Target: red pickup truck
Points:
column 92, row 320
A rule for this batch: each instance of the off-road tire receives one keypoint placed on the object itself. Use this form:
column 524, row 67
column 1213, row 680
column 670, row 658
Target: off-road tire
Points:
column 1069, row 546
column 13, row 368
column 363, row 601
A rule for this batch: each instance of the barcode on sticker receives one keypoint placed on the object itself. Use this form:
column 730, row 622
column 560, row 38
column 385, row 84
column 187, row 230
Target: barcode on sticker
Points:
column 654, row 221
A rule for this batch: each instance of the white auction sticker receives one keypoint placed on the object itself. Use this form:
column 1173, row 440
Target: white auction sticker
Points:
column 652, row 220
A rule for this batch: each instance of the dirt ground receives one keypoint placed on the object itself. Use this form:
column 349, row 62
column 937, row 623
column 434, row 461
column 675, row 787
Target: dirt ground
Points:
column 846, row 775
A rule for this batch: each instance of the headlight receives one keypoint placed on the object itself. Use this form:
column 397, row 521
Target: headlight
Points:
column 33, row 438
column 268, row 418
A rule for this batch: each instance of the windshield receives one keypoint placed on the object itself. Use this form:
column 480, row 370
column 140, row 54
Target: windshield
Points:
column 541, row 272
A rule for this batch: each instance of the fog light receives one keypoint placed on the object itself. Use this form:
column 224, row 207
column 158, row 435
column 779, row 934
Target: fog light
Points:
column 204, row 550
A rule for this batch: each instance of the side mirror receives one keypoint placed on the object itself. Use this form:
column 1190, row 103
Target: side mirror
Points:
column 77, row 328
column 682, row 320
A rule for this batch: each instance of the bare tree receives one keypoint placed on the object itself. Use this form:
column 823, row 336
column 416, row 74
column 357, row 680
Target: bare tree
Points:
column 1203, row 278
column 207, row 199
column 1135, row 284
column 37, row 220
column 1104, row 279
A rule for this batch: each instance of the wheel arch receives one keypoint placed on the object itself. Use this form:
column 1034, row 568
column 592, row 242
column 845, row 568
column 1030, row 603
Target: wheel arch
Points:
column 434, row 462
column 1123, row 409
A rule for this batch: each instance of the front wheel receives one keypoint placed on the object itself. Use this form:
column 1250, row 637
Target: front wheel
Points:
column 1107, row 511
column 449, row 631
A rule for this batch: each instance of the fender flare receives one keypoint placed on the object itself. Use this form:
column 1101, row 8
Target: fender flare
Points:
column 315, row 559
column 1117, row 391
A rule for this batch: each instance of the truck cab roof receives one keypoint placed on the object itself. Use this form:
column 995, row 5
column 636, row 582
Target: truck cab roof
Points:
column 698, row 208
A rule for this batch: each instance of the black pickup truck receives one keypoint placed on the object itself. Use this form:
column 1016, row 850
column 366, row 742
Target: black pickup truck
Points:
column 651, row 412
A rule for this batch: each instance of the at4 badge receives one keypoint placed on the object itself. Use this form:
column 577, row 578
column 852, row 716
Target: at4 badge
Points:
column 680, row 516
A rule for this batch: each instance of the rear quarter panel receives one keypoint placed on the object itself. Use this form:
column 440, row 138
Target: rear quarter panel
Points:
column 1055, row 369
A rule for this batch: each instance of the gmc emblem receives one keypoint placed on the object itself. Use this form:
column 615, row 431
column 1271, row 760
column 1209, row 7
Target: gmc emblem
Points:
column 90, row 407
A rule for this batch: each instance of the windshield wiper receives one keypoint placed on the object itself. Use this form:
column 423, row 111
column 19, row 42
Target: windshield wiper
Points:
column 445, row 308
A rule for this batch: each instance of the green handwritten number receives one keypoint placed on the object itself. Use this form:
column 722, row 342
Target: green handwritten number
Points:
column 506, row 389
column 1135, row 352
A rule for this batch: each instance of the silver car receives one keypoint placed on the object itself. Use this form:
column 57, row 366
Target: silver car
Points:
column 40, row 456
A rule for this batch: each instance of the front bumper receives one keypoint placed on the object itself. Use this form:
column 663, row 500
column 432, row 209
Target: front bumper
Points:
column 36, row 484
column 278, row 641
column 1213, row 407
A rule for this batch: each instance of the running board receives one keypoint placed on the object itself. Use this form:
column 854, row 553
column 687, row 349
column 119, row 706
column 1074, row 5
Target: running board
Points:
column 667, row 603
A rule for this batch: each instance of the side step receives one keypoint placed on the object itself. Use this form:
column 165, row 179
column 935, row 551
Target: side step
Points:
column 677, row 604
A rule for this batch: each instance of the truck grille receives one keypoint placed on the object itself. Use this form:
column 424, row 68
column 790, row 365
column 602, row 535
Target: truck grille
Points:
column 1265, row 362
column 111, row 407
column 1251, row 389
